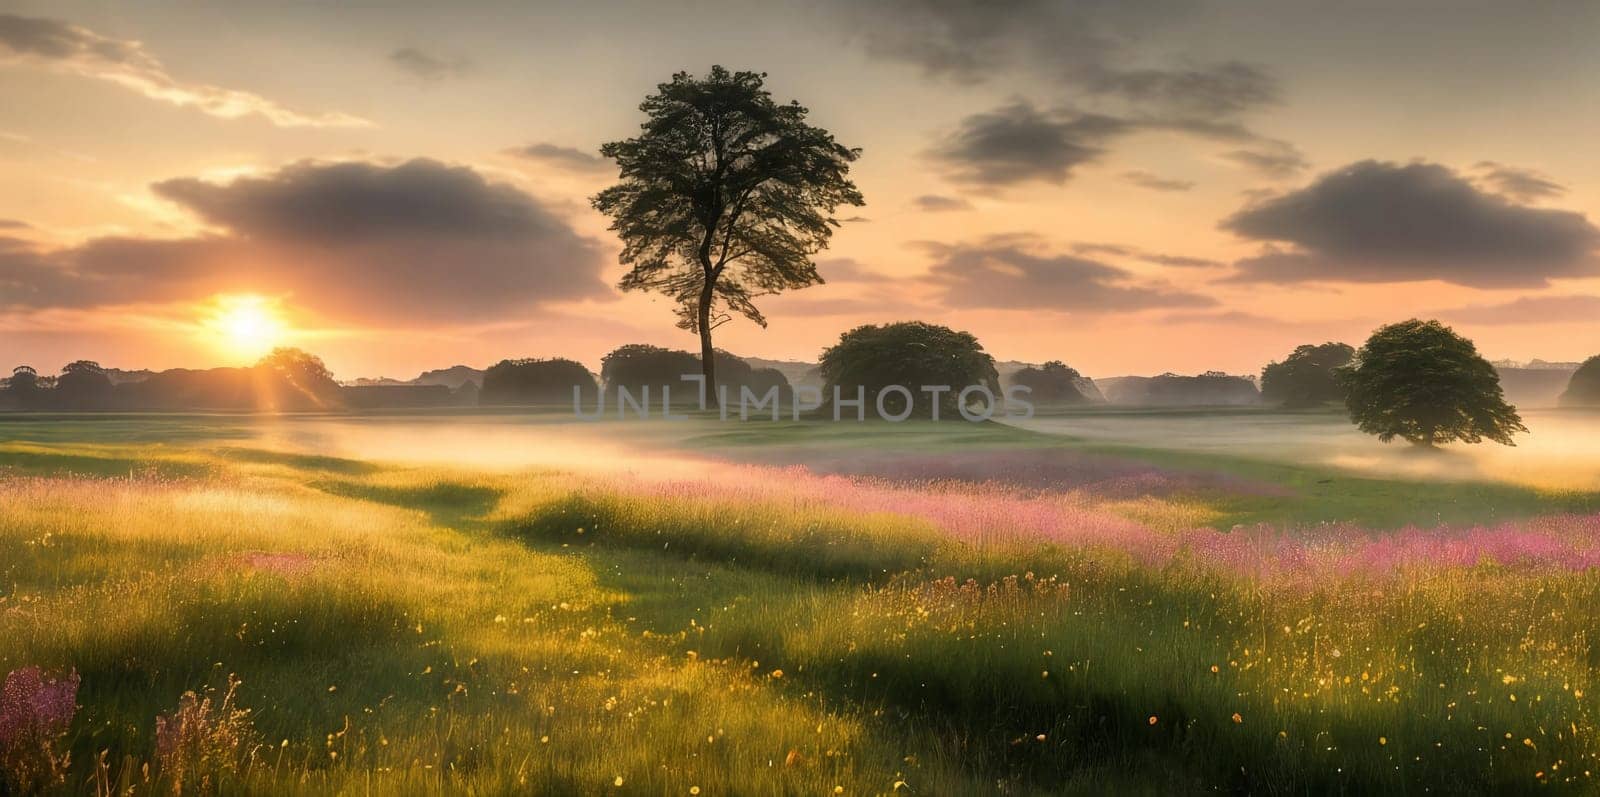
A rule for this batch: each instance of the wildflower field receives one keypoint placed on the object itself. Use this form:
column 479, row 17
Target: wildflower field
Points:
column 193, row 605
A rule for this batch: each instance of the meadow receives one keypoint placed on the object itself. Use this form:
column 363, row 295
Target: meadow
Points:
column 502, row 604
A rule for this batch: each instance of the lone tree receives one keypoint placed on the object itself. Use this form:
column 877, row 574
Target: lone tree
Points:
column 1308, row 376
column 724, row 197
column 1420, row 381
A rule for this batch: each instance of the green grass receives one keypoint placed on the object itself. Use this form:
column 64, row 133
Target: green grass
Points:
column 402, row 629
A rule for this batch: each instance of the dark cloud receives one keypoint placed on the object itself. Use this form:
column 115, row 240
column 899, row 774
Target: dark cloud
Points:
column 418, row 241
column 1156, row 182
column 427, row 66
column 1087, row 47
column 1180, row 261
column 568, row 158
column 1269, row 157
column 57, row 40
column 971, row 42
column 1529, row 310
column 1135, row 253
column 1010, row 272
column 1521, row 185
column 933, row 203
column 1018, row 143
column 13, row 224
column 64, row 47
column 1091, row 52
column 1383, row 222
column 122, row 270
column 1218, row 90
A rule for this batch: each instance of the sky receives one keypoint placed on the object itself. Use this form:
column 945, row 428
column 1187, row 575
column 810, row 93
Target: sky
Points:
column 1132, row 188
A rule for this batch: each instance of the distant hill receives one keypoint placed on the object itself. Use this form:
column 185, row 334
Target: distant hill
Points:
column 797, row 372
column 1086, row 387
column 453, row 377
column 1210, row 389
column 1535, row 383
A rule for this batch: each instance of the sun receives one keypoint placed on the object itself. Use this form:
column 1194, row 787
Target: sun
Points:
column 246, row 325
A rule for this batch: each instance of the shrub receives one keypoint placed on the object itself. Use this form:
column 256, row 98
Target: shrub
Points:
column 35, row 712
column 204, row 738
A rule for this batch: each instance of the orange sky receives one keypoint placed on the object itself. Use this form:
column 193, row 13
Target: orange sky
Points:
column 1131, row 189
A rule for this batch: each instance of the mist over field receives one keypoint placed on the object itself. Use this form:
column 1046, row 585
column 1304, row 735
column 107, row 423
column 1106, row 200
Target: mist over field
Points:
column 1560, row 451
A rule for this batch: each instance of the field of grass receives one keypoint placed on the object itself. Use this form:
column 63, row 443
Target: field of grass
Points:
column 291, row 607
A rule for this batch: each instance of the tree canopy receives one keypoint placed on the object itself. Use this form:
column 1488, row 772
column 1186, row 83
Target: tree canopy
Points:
column 1052, row 383
column 83, row 384
column 724, row 197
column 1309, row 376
column 289, row 378
column 909, row 354
column 639, row 365
column 533, row 381
column 1584, row 388
column 1422, row 382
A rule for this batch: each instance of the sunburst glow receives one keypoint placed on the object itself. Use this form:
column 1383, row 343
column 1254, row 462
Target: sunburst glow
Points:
column 246, row 325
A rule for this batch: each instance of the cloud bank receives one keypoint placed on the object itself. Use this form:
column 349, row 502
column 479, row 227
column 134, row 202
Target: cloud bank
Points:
column 1018, row 143
column 1383, row 222
column 417, row 242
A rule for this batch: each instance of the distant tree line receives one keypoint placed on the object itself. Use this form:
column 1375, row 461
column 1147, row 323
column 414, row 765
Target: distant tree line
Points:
column 1308, row 377
column 1055, row 382
column 285, row 380
column 1415, row 380
column 639, row 368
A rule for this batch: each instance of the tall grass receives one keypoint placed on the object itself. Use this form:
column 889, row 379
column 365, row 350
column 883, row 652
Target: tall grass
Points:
column 357, row 627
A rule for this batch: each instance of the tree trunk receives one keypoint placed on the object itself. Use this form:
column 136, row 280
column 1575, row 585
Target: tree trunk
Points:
column 708, row 361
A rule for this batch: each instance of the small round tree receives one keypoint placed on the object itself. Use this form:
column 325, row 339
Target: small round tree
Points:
column 1584, row 389
column 1420, row 381
column 908, row 354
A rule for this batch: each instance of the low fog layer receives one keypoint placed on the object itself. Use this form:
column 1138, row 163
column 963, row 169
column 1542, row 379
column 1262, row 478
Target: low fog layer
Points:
column 1561, row 449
